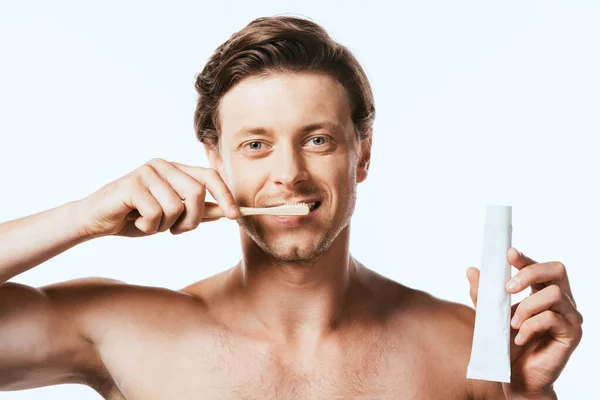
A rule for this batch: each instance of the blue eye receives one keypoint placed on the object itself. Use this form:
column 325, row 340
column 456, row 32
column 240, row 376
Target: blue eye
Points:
column 318, row 140
column 254, row 145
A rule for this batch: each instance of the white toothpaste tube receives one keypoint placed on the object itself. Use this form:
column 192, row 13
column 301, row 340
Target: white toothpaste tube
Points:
column 490, row 354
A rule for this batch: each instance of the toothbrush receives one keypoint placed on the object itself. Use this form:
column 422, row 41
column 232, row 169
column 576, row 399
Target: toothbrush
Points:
column 213, row 211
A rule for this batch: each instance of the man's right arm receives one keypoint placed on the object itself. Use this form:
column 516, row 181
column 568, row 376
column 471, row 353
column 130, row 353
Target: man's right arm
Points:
column 155, row 197
column 29, row 241
column 43, row 340
column 37, row 344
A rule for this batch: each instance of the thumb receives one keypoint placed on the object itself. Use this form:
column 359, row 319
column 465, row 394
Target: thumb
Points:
column 473, row 277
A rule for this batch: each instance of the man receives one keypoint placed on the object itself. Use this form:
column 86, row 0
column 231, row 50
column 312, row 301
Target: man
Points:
column 285, row 115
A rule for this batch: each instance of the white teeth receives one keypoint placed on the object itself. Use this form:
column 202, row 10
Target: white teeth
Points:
column 310, row 205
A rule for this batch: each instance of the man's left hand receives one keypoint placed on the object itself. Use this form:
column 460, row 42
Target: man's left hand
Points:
column 546, row 326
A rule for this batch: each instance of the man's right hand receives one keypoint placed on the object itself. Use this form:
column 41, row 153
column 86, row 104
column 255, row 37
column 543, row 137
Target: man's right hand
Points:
column 157, row 196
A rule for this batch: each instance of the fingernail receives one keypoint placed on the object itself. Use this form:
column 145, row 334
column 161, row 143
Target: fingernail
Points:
column 518, row 338
column 519, row 254
column 233, row 211
column 515, row 321
column 512, row 284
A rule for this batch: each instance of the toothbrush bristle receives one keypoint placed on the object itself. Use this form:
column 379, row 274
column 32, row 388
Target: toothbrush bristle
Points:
column 294, row 209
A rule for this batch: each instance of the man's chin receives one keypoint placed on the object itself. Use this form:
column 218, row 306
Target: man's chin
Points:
column 292, row 252
column 291, row 245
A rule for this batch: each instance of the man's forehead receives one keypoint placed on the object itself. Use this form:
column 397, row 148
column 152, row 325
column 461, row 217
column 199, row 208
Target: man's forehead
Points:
column 306, row 101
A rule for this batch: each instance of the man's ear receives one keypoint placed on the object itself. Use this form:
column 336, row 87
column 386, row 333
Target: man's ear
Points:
column 364, row 160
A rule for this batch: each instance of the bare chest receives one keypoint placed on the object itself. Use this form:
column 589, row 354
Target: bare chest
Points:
column 222, row 367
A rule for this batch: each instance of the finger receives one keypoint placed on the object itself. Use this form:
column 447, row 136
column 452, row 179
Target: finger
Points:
column 192, row 192
column 169, row 200
column 518, row 259
column 551, row 322
column 538, row 276
column 179, row 228
column 514, row 350
column 149, row 210
column 192, row 213
column 473, row 277
column 215, row 185
column 550, row 298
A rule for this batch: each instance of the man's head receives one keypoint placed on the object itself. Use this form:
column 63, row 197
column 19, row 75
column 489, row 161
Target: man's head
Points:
column 286, row 114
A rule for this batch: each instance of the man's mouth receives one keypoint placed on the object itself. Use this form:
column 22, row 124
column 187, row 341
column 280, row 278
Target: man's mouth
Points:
column 295, row 221
column 312, row 205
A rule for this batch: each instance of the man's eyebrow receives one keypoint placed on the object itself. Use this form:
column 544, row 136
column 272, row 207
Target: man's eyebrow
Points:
column 248, row 130
column 329, row 125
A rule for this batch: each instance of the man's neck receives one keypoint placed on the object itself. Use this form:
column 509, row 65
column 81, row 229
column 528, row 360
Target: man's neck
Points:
column 297, row 302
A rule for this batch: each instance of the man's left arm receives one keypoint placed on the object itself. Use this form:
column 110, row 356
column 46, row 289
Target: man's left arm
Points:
column 546, row 327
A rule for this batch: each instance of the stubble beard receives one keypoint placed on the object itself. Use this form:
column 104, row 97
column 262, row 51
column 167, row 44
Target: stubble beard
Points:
column 288, row 250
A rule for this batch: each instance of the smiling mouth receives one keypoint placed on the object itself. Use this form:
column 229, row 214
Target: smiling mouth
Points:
column 312, row 205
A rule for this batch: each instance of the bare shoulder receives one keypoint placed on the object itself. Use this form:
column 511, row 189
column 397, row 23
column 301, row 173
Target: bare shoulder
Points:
column 100, row 306
column 67, row 332
column 49, row 334
column 424, row 309
column 442, row 330
column 431, row 311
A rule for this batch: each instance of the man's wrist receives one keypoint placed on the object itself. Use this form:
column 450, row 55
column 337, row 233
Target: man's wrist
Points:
column 538, row 396
column 80, row 231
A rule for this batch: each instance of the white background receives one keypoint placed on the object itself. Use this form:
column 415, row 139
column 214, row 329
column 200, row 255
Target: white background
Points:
column 477, row 103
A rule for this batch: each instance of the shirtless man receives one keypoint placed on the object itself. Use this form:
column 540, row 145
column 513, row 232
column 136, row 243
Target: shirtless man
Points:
column 285, row 115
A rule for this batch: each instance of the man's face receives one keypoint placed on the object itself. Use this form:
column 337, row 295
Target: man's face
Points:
column 289, row 138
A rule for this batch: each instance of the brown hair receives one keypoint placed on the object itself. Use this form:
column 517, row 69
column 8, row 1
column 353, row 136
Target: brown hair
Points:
column 279, row 44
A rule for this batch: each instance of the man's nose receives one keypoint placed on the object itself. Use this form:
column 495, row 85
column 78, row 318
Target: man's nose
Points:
column 289, row 167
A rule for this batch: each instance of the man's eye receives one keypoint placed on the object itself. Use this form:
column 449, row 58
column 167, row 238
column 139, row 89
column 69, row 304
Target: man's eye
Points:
column 318, row 140
column 254, row 145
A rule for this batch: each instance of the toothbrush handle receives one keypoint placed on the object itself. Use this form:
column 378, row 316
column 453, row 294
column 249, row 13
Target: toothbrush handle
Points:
column 213, row 211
